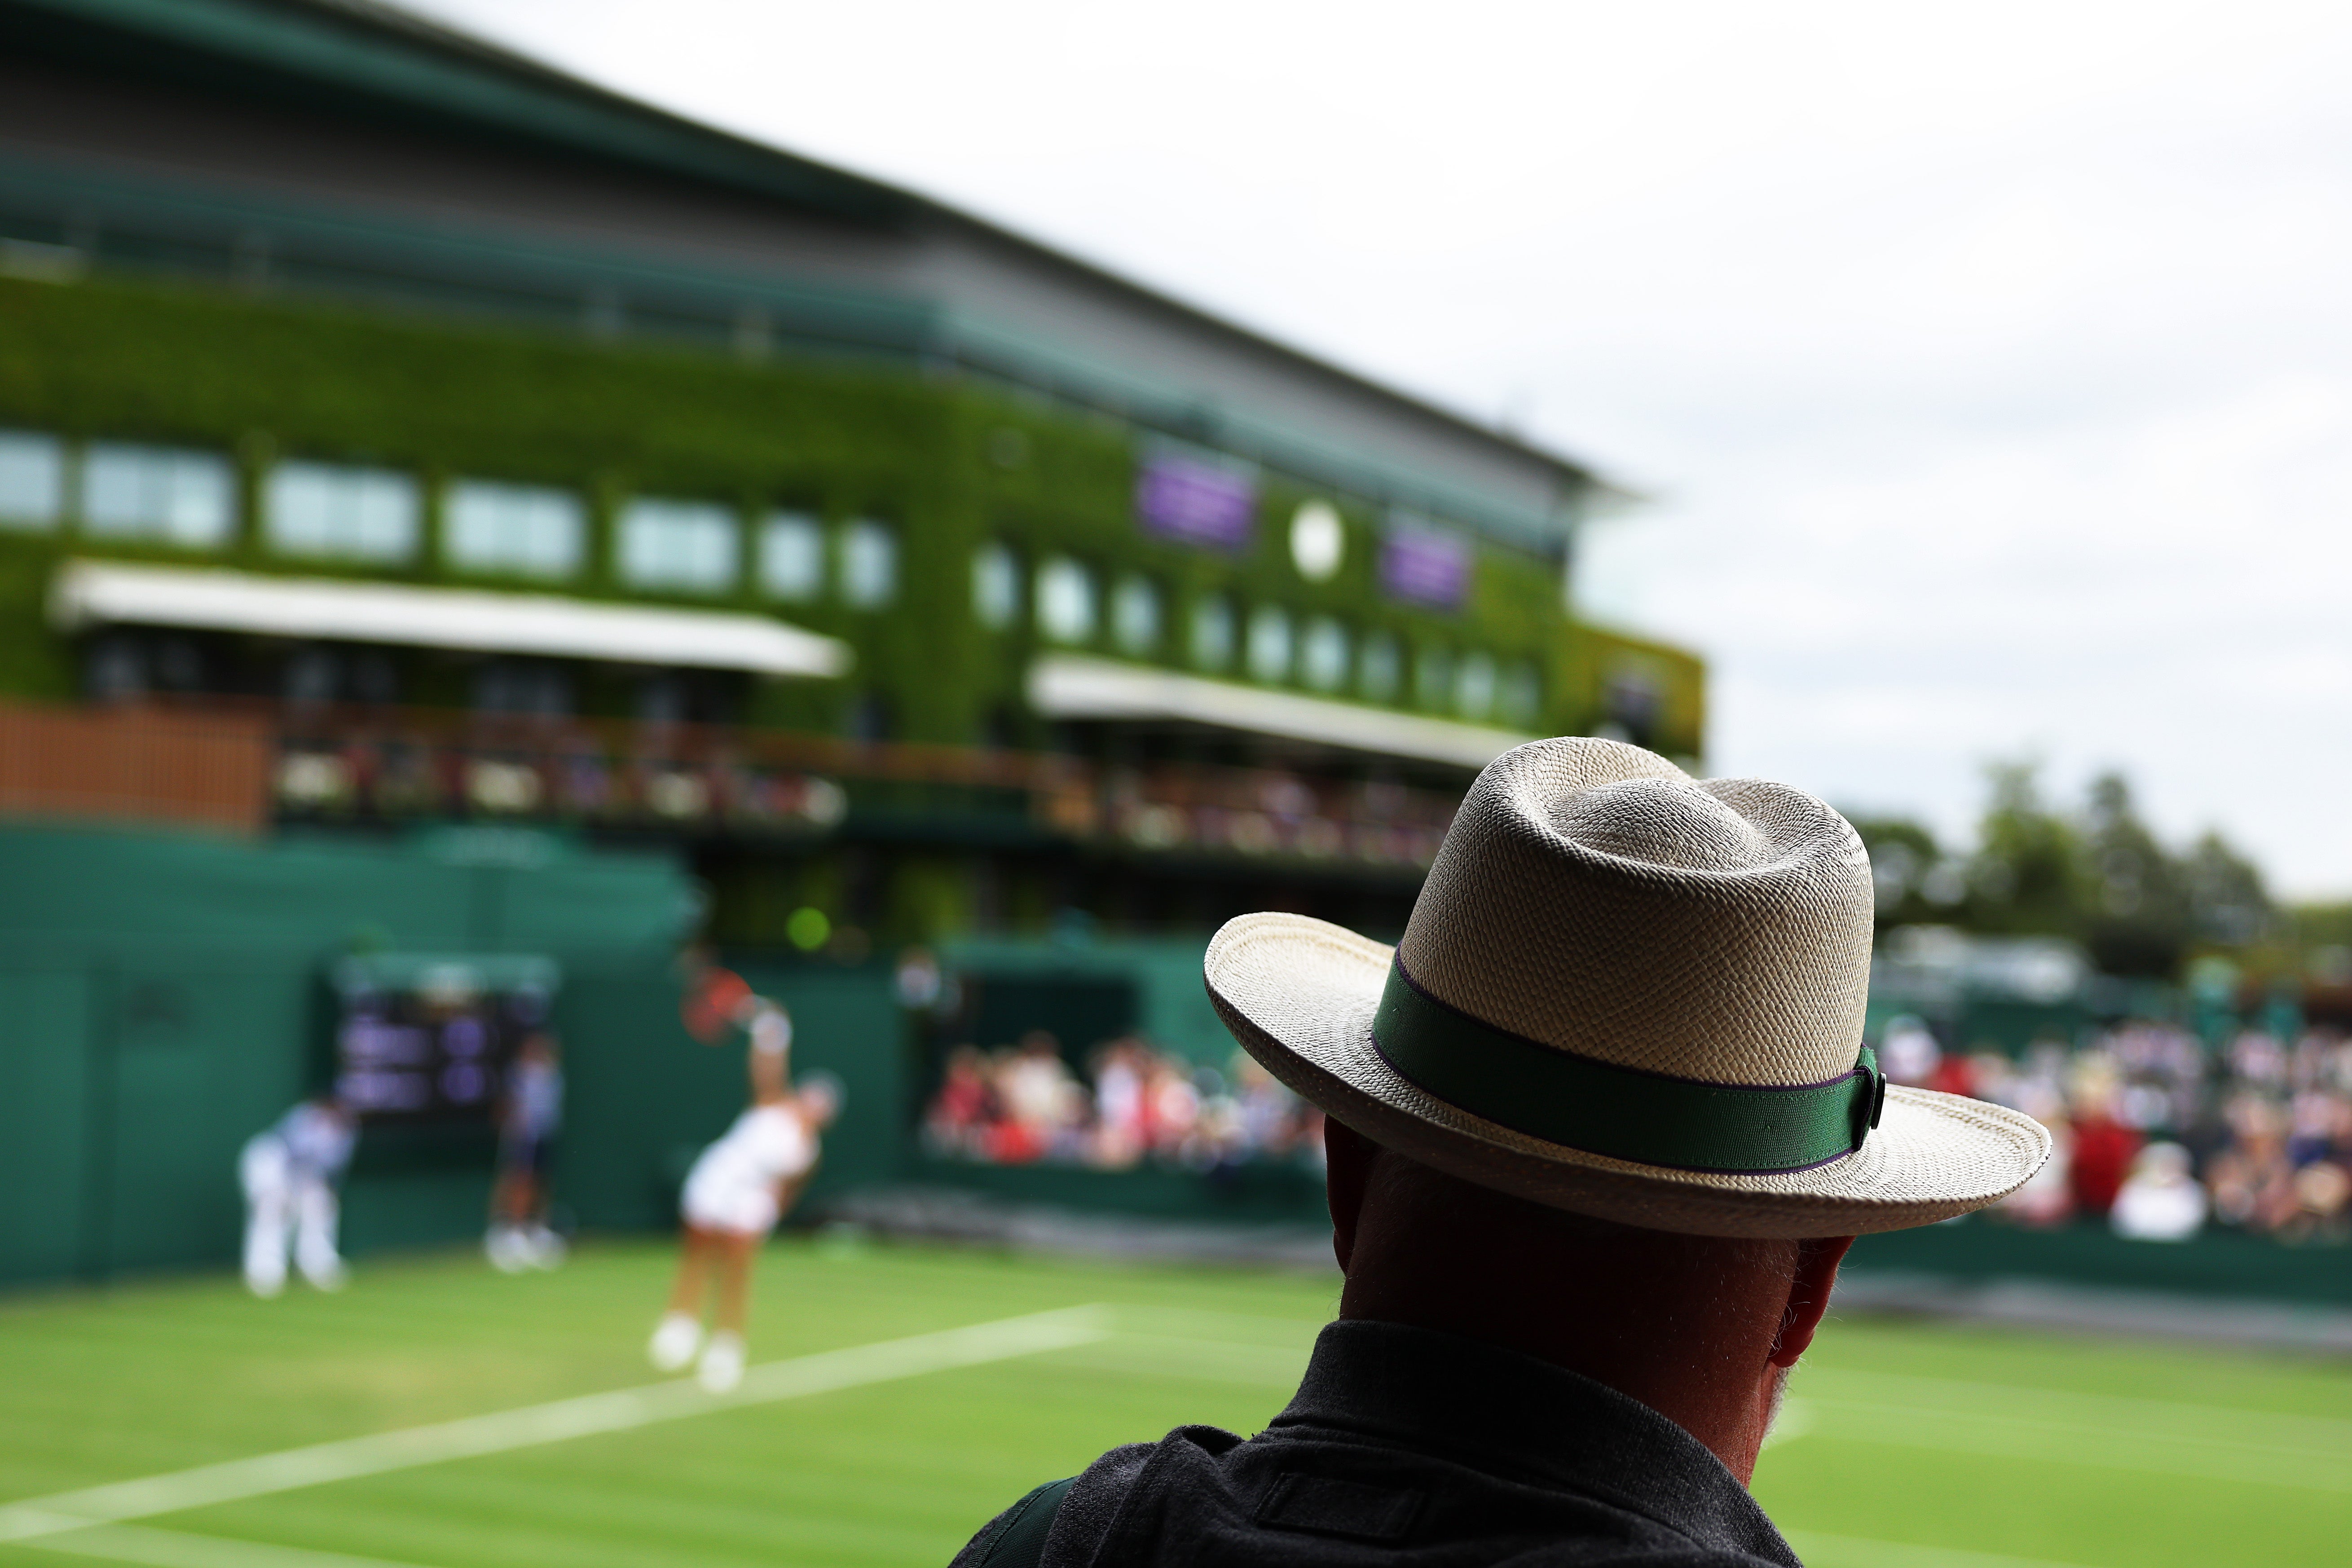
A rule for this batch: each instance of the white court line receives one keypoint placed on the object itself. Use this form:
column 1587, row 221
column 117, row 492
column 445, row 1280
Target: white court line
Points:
column 184, row 1549
column 35, row 1518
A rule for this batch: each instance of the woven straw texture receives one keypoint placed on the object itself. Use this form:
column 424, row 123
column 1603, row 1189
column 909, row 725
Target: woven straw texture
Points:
column 1593, row 897
column 1298, row 994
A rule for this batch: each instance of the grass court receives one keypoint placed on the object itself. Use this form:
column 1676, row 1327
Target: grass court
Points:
column 1905, row 1444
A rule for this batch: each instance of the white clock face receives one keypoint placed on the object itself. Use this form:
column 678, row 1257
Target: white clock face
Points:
column 1318, row 540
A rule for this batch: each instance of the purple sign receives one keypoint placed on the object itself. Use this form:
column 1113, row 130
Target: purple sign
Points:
column 1426, row 568
column 1196, row 502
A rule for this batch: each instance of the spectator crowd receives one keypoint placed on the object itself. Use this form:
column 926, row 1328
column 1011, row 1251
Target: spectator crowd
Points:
column 2160, row 1136
column 1021, row 1104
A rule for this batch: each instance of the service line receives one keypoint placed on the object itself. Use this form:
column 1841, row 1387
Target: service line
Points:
column 498, row 1432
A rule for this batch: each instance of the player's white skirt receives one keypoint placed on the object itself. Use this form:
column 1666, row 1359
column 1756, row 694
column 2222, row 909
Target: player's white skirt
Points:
column 715, row 1199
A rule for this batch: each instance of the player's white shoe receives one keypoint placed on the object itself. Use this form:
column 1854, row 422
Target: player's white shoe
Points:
column 675, row 1339
column 542, row 1248
column 507, row 1247
column 722, row 1363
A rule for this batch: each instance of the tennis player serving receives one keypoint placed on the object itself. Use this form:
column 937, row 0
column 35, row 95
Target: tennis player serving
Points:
column 736, row 1192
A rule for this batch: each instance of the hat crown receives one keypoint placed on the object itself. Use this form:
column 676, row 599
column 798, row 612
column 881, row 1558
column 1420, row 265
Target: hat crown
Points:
column 1592, row 897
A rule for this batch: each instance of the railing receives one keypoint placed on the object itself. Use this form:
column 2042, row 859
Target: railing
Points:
column 383, row 765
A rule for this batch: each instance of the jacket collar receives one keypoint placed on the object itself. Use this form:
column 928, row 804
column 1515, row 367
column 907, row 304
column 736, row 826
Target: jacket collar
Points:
column 1513, row 1416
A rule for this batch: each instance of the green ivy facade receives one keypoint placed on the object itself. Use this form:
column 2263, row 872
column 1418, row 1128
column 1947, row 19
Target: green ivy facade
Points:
column 949, row 465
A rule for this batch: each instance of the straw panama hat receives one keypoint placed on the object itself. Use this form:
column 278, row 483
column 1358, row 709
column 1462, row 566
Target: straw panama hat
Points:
column 1629, row 994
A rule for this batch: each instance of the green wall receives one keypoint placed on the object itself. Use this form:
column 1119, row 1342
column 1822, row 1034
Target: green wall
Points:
column 263, row 377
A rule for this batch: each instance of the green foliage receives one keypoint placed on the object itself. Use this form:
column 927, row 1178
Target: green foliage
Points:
column 947, row 465
column 2098, row 876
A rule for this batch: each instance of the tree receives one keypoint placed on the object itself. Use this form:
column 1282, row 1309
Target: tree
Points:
column 2140, row 917
column 2026, row 877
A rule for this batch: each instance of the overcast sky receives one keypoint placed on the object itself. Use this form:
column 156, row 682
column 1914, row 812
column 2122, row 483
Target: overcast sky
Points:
column 1988, row 368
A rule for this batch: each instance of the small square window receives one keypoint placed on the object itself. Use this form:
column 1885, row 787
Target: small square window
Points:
column 689, row 546
column 1522, row 698
column 1135, row 617
column 995, row 587
column 342, row 513
column 791, row 555
column 158, row 493
column 869, row 565
column 1213, row 632
column 526, row 530
column 1066, row 601
column 1269, row 644
column 1473, row 686
column 1323, row 655
column 32, row 479
column 1433, row 679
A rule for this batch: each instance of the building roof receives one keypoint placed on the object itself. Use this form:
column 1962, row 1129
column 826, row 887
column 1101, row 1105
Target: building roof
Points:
column 358, row 58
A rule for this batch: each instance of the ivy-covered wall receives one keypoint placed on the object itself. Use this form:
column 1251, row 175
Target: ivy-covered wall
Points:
column 949, row 465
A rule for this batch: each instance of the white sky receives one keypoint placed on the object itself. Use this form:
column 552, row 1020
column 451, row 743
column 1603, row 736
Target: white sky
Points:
column 1989, row 367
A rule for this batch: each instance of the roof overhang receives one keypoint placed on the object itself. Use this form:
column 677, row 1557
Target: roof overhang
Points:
column 1071, row 685
column 105, row 592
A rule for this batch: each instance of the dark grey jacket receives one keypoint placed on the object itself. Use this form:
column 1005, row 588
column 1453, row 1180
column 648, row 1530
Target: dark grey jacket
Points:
column 1409, row 1448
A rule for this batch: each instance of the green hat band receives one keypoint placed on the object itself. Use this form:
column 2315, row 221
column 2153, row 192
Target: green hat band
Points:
column 1622, row 1112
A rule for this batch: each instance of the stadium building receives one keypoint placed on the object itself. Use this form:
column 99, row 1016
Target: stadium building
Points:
column 473, row 511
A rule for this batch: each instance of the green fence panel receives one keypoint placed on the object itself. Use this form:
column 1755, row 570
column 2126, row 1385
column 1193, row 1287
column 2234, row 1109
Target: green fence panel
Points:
column 45, row 1150
column 201, row 1050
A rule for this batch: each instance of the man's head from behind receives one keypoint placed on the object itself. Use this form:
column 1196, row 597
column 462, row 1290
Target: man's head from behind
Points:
column 1608, row 1101
column 1701, row 1328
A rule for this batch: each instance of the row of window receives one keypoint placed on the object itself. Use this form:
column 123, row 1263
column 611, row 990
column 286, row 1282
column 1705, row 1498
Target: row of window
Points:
column 376, row 516
column 1271, row 646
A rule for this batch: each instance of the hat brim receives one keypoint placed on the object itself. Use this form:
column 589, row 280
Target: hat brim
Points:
column 1299, row 994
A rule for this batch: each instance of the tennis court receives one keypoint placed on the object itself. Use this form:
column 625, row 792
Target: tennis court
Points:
column 440, row 1415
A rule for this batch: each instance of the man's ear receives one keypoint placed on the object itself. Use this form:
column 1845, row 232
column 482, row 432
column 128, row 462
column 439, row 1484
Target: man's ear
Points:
column 1809, row 1296
column 1348, row 1171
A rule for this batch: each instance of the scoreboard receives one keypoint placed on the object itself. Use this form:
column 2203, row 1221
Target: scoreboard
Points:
column 428, row 1037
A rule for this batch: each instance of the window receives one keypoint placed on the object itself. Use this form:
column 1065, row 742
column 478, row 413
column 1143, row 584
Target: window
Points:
column 1522, row 696
column 995, row 587
column 344, row 513
column 158, row 493
column 869, row 565
column 1433, row 679
column 1323, row 655
column 681, row 544
column 1066, row 601
column 522, row 528
column 32, row 479
column 1380, row 671
column 1269, row 644
column 1473, row 686
column 1135, row 617
column 1213, row 632
column 791, row 555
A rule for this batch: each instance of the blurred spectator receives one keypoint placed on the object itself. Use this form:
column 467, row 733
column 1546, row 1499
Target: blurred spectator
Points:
column 2164, row 1135
column 1909, row 1053
column 2161, row 1202
column 2104, row 1148
column 1020, row 1105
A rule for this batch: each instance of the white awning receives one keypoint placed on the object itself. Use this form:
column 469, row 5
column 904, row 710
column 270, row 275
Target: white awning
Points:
column 1069, row 686
column 106, row 593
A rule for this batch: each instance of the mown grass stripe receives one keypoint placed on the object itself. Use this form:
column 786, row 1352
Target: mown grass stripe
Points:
column 555, row 1422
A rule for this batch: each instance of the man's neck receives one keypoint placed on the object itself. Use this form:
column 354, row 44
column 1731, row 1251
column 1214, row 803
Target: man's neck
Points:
column 1683, row 1346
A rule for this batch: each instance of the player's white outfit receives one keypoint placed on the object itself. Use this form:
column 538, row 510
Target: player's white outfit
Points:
column 733, row 1186
column 288, row 1173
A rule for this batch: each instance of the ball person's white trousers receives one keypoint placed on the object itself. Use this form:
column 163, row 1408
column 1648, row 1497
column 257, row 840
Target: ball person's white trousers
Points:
column 283, row 1205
